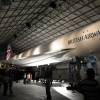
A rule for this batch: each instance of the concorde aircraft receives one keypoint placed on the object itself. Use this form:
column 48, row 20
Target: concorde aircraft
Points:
column 78, row 43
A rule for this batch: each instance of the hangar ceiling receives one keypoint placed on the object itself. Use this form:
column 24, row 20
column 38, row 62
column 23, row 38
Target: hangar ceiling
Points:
column 28, row 23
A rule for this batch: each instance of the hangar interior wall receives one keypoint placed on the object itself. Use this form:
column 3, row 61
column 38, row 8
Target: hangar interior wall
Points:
column 62, row 72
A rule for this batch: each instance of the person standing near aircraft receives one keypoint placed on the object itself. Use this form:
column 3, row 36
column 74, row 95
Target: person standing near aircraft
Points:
column 48, row 83
column 8, row 82
column 89, row 87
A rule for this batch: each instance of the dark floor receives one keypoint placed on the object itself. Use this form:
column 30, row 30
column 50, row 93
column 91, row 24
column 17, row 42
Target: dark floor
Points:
column 31, row 92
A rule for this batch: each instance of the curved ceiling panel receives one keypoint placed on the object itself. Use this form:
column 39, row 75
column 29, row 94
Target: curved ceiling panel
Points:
column 26, row 24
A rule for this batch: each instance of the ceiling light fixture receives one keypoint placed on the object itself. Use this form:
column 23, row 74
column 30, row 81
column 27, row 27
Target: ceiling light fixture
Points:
column 53, row 4
column 28, row 25
column 15, row 36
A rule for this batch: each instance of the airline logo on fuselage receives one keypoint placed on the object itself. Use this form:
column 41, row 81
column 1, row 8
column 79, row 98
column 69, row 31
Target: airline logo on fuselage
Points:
column 84, row 37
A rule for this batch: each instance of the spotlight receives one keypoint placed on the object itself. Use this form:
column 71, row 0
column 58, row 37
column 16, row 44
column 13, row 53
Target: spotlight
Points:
column 28, row 25
column 53, row 5
column 15, row 36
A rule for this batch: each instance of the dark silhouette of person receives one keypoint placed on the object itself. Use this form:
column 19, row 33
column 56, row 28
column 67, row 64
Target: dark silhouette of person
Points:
column 10, row 81
column 48, row 86
column 24, row 81
column 89, row 87
column 7, row 82
column 48, row 83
